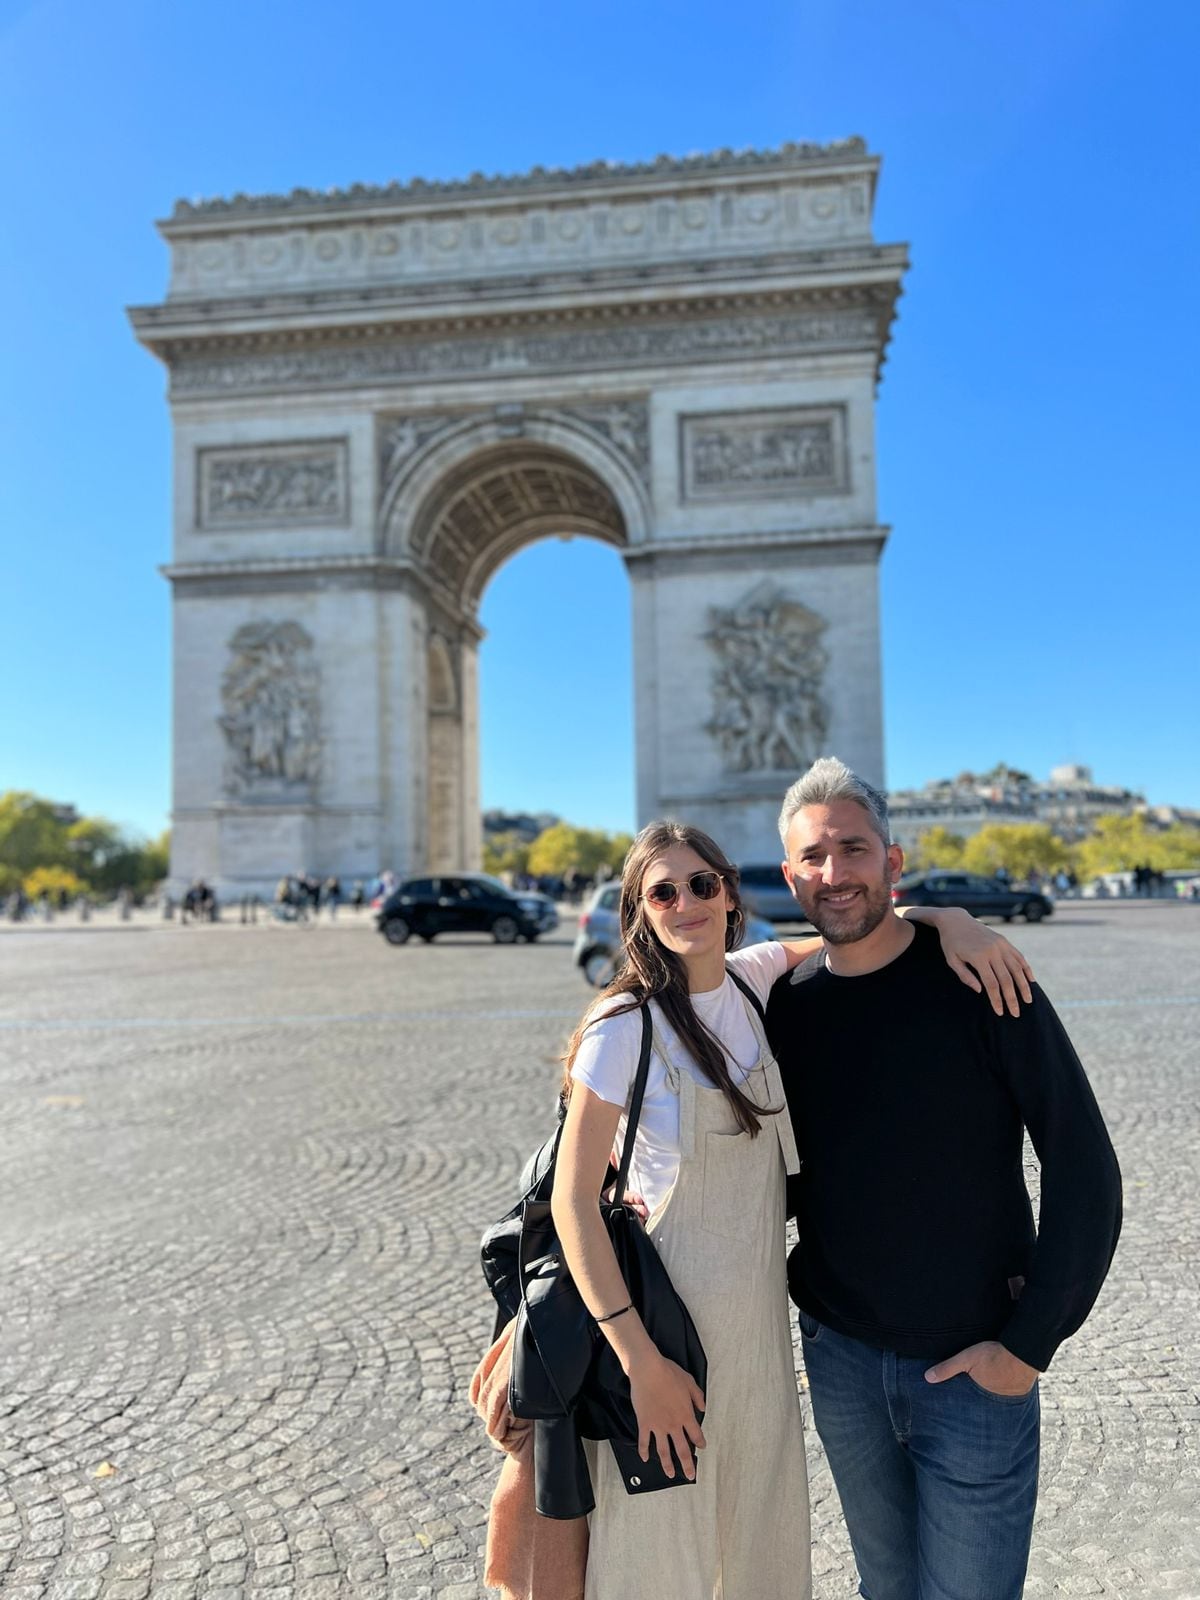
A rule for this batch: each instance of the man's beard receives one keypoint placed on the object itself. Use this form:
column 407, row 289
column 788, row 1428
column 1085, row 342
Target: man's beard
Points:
column 857, row 920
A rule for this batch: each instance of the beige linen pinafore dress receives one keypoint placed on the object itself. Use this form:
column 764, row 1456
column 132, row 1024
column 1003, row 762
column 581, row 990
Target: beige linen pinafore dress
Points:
column 741, row 1531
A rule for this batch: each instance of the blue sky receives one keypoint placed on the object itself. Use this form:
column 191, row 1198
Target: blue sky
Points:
column 1036, row 417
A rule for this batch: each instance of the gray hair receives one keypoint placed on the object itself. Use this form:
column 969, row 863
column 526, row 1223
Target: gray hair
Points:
column 828, row 780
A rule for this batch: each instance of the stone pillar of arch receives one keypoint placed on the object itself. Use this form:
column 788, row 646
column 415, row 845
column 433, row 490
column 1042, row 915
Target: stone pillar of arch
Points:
column 381, row 395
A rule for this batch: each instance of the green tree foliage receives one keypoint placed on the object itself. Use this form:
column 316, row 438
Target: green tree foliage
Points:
column 1020, row 847
column 95, row 844
column 938, row 847
column 563, row 847
column 156, row 858
column 505, row 852
column 619, row 846
column 53, row 880
column 36, row 833
column 33, row 832
column 1119, row 844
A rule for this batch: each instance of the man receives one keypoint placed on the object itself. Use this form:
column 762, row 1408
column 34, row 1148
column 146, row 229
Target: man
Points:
column 928, row 1305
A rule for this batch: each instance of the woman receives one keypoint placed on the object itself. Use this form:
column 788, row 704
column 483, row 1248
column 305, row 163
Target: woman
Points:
column 709, row 1160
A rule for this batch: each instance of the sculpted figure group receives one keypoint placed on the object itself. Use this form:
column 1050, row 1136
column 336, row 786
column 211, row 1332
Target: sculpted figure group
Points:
column 770, row 663
column 269, row 708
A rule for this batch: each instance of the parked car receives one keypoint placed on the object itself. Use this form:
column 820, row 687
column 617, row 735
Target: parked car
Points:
column 467, row 902
column 982, row 897
column 598, row 942
column 765, row 892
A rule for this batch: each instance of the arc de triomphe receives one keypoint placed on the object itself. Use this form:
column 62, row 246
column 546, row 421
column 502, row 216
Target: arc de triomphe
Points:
column 380, row 394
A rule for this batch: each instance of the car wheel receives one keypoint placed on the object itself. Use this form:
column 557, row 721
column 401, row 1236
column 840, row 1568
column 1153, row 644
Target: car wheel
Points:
column 396, row 930
column 505, row 930
column 1034, row 911
column 598, row 968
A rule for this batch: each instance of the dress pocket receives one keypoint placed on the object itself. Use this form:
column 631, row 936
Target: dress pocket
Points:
column 730, row 1202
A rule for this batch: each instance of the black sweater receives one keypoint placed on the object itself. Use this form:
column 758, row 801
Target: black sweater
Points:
column 908, row 1095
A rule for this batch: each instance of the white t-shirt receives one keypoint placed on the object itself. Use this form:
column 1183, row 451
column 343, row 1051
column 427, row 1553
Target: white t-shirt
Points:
column 608, row 1058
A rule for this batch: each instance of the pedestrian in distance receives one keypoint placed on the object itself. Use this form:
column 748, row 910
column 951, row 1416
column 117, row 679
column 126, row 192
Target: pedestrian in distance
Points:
column 929, row 1305
column 712, row 1149
column 331, row 893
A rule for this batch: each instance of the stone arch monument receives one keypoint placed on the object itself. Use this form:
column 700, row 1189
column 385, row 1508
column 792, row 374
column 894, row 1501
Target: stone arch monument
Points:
column 380, row 394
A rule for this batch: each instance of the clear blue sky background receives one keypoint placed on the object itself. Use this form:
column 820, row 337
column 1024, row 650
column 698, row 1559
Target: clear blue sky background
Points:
column 1037, row 429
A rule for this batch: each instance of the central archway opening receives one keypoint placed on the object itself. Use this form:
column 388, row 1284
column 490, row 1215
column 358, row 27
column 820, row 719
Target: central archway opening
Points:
column 559, row 709
column 556, row 686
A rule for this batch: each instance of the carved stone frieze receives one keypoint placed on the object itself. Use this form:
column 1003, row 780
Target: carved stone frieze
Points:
column 548, row 350
column 276, row 484
column 270, row 712
column 604, row 216
column 764, row 454
column 769, row 709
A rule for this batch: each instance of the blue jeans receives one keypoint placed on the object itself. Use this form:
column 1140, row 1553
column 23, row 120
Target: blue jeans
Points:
column 938, row 1481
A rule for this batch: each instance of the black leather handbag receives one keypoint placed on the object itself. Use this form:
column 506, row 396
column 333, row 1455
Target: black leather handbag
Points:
column 562, row 1366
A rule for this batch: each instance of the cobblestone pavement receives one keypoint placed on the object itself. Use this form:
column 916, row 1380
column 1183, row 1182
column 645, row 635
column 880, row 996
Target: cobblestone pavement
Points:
column 242, row 1176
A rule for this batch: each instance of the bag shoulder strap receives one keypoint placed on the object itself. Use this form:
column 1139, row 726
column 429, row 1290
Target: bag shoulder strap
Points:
column 635, row 1104
column 749, row 993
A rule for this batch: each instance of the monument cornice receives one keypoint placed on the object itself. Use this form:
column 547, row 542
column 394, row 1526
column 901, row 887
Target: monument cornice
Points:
column 699, row 329
column 540, row 183
column 304, row 574
column 445, row 304
column 832, row 546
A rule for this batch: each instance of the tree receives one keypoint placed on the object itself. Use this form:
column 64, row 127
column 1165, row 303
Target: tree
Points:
column 1022, row 848
column 92, row 843
column 619, row 846
column 156, row 858
column 92, row 851
column 559, row 849
column 53, row 880
column 33, row 832
column 554, row 852
column 1118, row 844
column 505, row 852
column 938, row 847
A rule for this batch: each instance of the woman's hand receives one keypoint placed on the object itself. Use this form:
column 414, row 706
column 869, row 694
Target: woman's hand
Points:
column 1002, row 970
column 666, row 1400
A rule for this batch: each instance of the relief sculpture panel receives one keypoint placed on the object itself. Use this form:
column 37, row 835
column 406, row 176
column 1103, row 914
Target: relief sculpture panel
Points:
column 278, row 484
column 769, row 709
column 270, row 712
column 764, row 454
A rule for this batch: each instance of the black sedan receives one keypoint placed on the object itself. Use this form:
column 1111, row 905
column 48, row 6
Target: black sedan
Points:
column 982, row 897
column 468, row 902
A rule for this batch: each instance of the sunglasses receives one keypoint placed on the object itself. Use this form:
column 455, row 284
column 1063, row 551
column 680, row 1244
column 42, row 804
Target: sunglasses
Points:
column 701, row 886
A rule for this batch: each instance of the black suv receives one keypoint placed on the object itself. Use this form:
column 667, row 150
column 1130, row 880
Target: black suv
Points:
column 982, row 897
column 765, row 891
column 468, row 902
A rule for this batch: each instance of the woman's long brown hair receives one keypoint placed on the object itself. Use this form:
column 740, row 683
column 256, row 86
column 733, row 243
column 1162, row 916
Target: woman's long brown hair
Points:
column 652, row 972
